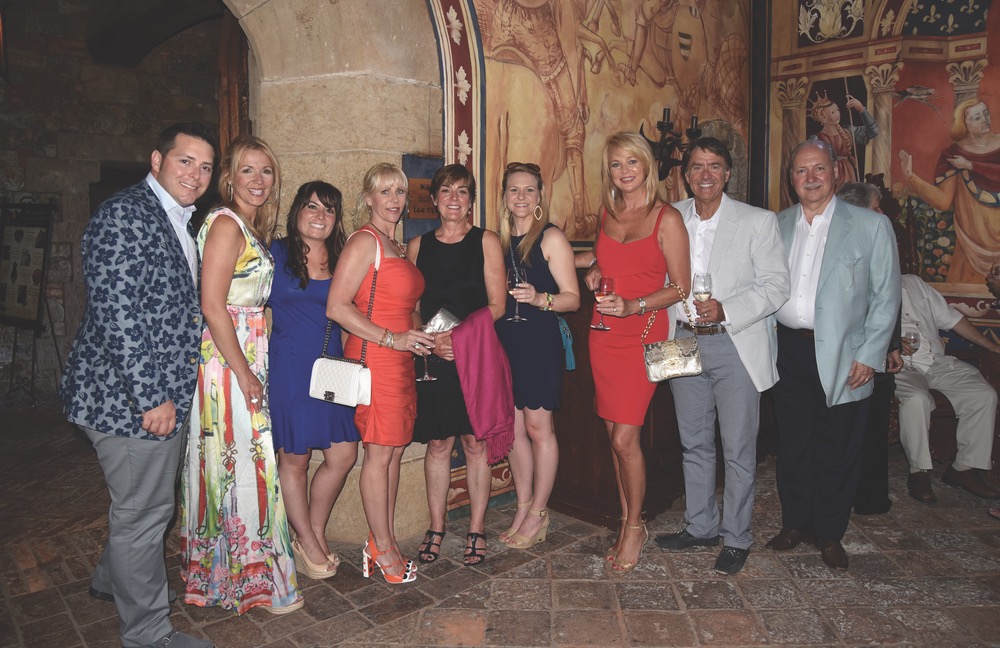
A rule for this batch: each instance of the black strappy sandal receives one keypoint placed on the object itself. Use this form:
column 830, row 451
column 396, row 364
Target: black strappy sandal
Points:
column 430, row 550
column 473, row 557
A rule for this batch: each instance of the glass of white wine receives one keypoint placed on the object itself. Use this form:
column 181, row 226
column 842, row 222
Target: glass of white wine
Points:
column 913, row 340
column 701, row 286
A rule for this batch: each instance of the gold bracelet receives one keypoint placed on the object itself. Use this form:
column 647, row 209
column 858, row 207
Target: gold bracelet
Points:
column 549, row 300
column 385, row 336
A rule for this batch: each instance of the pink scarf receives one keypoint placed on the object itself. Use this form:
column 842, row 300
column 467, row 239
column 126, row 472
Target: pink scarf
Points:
column 484, row 374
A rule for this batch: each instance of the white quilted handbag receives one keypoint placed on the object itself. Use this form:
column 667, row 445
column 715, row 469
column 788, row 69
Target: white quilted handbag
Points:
column 344, row 380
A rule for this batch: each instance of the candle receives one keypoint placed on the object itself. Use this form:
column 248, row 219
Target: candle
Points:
column 694, row 122
column 666, row 114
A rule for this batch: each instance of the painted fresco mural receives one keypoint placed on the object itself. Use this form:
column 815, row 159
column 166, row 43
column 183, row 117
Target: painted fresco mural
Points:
column 921, row 73
column 547, row 81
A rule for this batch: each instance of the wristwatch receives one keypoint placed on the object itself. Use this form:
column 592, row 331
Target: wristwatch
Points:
column 642, row 306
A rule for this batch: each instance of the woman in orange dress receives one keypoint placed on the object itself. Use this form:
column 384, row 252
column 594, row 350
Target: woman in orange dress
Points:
column 642, row 243
column 389, row 342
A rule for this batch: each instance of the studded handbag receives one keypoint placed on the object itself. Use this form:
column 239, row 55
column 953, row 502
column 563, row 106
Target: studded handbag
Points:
column 671, row 358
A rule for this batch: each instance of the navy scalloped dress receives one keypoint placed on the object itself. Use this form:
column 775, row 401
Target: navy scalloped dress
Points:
column 298, row 325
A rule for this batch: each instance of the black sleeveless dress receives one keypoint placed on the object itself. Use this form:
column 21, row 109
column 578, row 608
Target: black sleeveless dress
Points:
column 453, row 273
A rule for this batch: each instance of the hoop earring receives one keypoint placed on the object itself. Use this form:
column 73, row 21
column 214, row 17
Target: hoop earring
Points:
column 537, row 212
column 230, row 185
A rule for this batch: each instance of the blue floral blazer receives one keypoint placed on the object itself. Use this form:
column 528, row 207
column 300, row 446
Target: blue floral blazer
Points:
column 137, row 345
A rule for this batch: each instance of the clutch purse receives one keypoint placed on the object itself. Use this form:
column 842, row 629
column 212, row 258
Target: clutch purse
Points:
column 442, row 321
column 671, row 358
column 345, row 381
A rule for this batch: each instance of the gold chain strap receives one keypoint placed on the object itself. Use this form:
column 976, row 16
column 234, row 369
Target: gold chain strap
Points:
column 652, row 317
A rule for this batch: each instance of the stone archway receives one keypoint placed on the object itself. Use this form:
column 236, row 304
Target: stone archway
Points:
column 338, row 86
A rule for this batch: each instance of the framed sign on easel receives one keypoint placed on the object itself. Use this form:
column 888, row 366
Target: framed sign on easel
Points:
column 25, row 242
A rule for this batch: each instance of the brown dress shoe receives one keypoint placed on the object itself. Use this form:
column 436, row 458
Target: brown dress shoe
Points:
column 833, row 553
column 919, row 485
column 971, row 481
column 789, row 539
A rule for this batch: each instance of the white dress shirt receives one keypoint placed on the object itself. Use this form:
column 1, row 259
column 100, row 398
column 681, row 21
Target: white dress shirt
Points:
column 926, row 311
column 179, row 218
column 804, row 262
column 701, row 237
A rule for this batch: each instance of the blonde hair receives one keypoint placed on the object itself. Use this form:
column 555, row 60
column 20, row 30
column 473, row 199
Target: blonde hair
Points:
column 959, row 130
column 506, row 218
column 266, row 218
column 634, row 145
column 376, row 178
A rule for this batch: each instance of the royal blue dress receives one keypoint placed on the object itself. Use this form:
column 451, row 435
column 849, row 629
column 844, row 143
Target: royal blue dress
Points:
column 301, row 423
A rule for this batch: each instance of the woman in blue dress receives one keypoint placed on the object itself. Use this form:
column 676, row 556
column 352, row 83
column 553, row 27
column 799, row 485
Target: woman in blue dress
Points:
column 304, row 263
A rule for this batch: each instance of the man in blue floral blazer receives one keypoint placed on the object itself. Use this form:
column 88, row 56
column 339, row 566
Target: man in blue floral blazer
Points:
column 132, row 372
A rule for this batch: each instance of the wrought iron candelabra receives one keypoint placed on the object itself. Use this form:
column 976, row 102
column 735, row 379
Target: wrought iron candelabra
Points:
column 670, row 142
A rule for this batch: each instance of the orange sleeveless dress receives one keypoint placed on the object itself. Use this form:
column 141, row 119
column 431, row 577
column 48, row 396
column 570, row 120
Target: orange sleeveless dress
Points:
column 638, row 267
column 389, row 419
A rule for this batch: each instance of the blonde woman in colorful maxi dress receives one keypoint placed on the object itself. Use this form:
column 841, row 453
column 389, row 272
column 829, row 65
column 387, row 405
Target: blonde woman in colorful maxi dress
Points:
column 235, row 547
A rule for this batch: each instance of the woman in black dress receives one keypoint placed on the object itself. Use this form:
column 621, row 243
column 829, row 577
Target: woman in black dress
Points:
column 463, row 270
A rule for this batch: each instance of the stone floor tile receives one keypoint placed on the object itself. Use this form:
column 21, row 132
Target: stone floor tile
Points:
column 86, row 609
column 858, row 625
column 771, row 594
column 980, row 622
column 975, row 562
column 586, row 628
column 53, row 631
column 475, row 598
column 947, row 539
column 520, row 595
column 396, row 606
column 797, row 627
column 989, row 537
column 961, row 591
column 690, row 565
column 924, row 563
column 646, row 595
column 347, row 627
column 811, row 566
column 582, row 595
column 833, row 593
column 760, row 564
column 323, row 602
column 536, row 568
column 728, row 628
column 659, row 629
column 519, row 628
column 103, row 634
column 451, row 628
column 500, row 563
column 578, row 567
column 929, row 625
column 237, row 632
column 37, row 605
column 894, row 592
column 709, row 595
column 451, row 583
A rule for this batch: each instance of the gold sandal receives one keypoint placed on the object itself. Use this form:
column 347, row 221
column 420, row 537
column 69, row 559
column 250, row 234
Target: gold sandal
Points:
column 518, row 541
column 509, row 533
column 623, row 567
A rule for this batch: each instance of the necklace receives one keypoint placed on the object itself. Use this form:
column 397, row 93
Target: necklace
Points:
column 399, row 246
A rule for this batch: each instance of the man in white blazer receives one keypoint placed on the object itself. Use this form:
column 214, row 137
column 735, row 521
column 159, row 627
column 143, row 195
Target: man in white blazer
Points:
column 833, row 334
column 740, row 247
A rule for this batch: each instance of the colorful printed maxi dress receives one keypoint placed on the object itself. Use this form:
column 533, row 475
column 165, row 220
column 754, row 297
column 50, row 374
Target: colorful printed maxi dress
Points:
column 235, row 548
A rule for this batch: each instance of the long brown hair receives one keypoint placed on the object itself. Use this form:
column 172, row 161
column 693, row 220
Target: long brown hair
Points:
column 506, row 218
column 331, row 198
column 267, row 214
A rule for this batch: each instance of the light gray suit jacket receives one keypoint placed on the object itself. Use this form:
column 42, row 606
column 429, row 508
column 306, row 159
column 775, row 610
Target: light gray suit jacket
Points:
column 750, row 279
column 857, row 297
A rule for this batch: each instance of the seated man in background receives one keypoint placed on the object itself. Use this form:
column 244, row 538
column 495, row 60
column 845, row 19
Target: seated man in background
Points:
column 926, row 312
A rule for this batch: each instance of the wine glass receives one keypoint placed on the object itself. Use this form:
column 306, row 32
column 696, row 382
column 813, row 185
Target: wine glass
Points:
column 427, row 377
column 515, row 276
column 605, row 288
column 913, row 338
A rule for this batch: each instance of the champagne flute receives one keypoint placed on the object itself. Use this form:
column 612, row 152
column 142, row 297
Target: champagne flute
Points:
column 913, row 338
column 515, row 276
column 427, row 377
column 606, row 288
column 701, row 286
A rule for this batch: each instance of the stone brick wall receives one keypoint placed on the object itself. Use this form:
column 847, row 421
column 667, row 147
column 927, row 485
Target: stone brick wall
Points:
column 61, row 116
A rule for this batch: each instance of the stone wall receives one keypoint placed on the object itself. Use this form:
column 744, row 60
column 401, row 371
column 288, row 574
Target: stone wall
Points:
column 61, row 116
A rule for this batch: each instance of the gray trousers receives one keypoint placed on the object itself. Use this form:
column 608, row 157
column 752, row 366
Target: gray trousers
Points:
column 141, row 477
column 726, row 387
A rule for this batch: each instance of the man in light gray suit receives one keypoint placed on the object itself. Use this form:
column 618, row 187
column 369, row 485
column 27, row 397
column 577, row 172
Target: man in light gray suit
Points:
column 740, row 247
column 833, row 333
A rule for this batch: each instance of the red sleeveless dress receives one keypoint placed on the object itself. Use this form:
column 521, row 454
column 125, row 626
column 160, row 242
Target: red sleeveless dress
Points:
column 638, row 267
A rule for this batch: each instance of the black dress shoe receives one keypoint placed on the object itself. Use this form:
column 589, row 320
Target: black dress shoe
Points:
column 971, row 481
column 919, row 485
column 683, row 540
column 110, row 598
column 789, row 539
column 731, row 560
column 833, row 553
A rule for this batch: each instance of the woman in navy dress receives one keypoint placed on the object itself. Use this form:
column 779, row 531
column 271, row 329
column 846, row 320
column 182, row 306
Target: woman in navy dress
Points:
column 534, row 346
column 304, row 263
